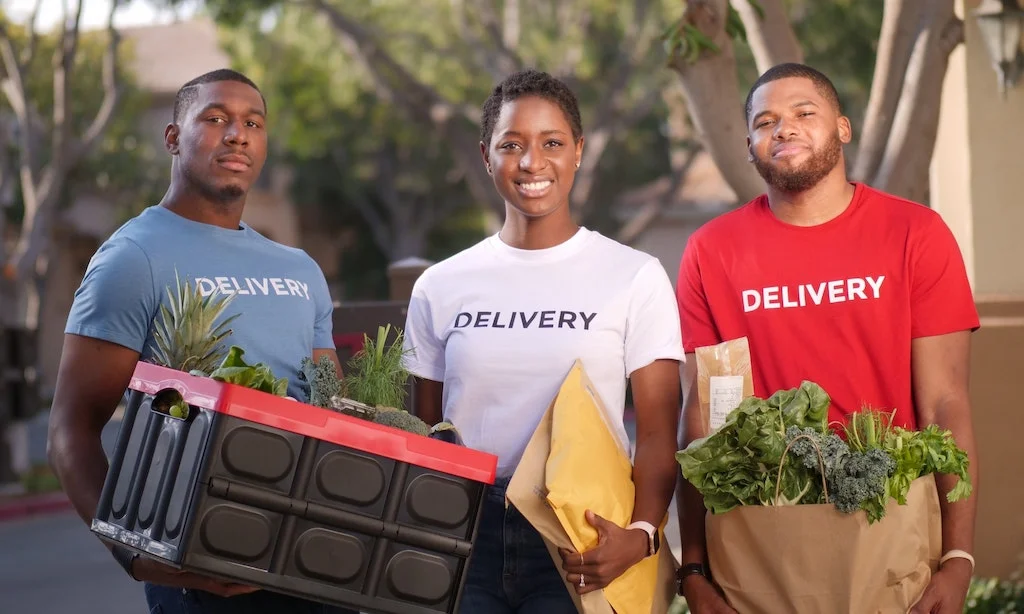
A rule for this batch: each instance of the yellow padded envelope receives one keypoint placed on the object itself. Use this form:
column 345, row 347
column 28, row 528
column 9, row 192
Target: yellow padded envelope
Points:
column 587, row 468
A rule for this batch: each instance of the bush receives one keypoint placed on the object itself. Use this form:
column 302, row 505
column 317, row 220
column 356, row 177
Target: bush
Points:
column 995, row 596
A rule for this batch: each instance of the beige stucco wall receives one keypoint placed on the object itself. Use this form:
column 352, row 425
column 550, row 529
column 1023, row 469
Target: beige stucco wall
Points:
column 977, row 169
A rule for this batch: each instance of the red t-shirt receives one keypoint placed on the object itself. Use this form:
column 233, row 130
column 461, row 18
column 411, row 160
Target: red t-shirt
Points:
column 837, row 304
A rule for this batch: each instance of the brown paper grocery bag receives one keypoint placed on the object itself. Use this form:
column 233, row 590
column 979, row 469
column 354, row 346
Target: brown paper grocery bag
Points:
column 814, row 559
column 528, row 493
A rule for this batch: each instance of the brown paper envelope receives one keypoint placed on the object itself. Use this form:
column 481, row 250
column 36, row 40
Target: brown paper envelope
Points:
column 814, row 559
column 526, row 491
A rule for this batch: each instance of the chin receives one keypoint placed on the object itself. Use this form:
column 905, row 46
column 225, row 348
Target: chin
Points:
column 535, row 210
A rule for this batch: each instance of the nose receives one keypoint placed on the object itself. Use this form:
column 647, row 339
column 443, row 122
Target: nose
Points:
column 236, row 134
column 785, row 129
column 531, row 161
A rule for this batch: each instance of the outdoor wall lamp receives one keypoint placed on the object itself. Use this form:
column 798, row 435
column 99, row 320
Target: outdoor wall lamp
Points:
column 1001, row 23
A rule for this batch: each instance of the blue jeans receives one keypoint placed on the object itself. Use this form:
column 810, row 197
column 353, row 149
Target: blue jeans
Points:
column 169, row 600
column 510, row 570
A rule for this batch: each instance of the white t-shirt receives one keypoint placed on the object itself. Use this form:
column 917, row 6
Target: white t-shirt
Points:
column 501, row 328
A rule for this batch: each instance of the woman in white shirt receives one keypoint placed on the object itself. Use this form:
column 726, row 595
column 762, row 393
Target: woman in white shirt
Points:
column 493, row 330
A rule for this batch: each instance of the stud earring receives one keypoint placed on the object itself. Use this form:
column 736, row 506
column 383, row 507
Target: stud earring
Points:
column 577, row 165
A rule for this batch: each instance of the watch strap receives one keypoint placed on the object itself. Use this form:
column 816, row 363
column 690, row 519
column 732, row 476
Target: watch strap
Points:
column 652, row 535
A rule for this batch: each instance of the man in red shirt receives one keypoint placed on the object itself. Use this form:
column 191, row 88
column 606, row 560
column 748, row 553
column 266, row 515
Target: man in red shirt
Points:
column 832, row 281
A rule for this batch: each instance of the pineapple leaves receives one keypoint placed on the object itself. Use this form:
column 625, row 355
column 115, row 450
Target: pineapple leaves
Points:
column 186, row 333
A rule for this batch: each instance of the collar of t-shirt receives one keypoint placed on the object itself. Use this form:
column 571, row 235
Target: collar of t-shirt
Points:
column 563, row 250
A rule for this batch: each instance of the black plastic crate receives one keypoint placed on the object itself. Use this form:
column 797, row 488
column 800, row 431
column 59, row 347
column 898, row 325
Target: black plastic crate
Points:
column 292, row 498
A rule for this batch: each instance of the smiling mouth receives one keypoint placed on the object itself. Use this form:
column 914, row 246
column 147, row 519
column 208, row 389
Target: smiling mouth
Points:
column 788, row 150
column 534, row 189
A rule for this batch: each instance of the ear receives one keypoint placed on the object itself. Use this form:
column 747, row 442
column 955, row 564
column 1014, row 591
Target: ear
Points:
column 845, row 130
column 579, row 152
column 171, row 134
column 486, row 155
column 750, row 151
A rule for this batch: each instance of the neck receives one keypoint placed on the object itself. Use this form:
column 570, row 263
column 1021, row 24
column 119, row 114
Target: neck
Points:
column 189, row 203
column 524, row 232
column 823, row 202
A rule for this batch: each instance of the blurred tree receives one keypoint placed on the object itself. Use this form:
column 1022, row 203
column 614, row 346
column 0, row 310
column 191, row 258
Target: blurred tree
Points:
column 67, row 127
column 900, row 119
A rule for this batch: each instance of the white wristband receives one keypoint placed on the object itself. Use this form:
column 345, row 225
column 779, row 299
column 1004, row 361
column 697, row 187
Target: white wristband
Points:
column 957, row 554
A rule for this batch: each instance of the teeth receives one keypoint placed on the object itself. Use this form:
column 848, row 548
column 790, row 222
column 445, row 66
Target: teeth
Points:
column 536, row 185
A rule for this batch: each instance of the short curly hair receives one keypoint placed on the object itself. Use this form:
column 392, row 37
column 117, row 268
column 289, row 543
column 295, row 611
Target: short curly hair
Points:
column 530, row 82
column 788, row 70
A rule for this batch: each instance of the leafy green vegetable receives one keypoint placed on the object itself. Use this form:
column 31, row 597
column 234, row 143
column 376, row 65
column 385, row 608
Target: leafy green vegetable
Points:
column 323, row 380
column 401, row 419
column 738, row 464
column 742, row 462
column 234, row 370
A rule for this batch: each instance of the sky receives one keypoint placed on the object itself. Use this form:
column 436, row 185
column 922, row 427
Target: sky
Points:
column 94, row 12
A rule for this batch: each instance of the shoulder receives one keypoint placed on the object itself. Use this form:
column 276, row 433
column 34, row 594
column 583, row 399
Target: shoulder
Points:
column 724, row 227
column 476, row 257
column 884, row 204
column 620, row 255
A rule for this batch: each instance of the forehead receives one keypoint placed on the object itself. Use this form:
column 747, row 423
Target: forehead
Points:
column 785, row 92
column 232, row 95
column 531, row 114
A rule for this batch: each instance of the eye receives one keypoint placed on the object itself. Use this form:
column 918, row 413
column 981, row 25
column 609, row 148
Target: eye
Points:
column 553, row 143
column 252, row 124
column 763, row 124
column 215, row 119
column 806, row 114
column 509, row 146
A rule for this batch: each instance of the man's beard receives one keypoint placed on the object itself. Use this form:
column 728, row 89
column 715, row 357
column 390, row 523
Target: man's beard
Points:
column 805, row 177
column 224, row 194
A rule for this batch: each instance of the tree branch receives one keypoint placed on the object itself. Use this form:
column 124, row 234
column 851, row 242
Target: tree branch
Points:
column 715, row 102
column 905, row 165
column 901, row 25
column 421, row 102
column 771, row 39
column 378, row 226
column 111, row 90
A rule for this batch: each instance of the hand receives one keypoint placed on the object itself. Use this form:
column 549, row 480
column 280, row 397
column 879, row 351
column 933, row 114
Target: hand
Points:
column 617, row 550
column 947, row 590
column 703, row 598
column 147, row 570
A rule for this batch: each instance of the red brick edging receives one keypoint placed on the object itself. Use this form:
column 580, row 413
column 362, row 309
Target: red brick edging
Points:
column 31, row 505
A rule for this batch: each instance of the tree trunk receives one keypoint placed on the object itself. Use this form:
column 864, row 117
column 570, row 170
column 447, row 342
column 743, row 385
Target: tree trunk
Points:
column 714, row 100
column 771, row 39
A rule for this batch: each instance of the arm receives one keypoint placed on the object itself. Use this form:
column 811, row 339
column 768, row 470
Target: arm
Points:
column 690, row 504
column 427, row 396
column 91, row 380
column 940, row 373
column 656, row 396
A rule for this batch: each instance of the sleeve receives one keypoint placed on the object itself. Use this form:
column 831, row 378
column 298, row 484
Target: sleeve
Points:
column 941, row 299
column 424, row 349
column 696, row 322
column 117, row 299
column 652, row 325
column 323, row 327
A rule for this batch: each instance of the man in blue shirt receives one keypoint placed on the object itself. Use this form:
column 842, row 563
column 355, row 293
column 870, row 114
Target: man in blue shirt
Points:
column 218, row 144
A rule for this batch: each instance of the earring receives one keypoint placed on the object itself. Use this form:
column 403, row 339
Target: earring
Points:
column 577, row 165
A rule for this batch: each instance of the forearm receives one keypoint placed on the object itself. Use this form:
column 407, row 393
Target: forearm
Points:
column 78, row 460
column 958, row 518
column 691, row 511
column 655, row 472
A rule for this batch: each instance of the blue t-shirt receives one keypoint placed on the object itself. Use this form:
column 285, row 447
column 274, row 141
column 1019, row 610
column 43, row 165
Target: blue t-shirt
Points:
column 281, row 293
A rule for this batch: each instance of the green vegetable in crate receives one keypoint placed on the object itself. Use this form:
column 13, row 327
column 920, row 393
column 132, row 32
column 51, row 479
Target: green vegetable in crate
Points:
column 322, row 377
column 188, row 337
column 186, row 333
column 375, row 375
column 401, row 419
column 234, row 370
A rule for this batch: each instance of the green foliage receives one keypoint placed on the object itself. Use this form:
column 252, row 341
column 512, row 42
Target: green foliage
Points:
column 402, row 420
column 124, row 168
column 234, row 370
column 375, row 374
column 323, row 380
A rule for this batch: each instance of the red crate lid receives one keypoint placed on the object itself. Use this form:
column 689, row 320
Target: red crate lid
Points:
column 317, row 422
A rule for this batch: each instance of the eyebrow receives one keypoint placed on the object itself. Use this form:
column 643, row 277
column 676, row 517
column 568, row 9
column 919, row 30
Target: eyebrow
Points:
column 795, row 105
column 509, row 133
column 222, row 107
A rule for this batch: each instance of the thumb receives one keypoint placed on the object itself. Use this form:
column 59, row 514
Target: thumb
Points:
column 598, row 523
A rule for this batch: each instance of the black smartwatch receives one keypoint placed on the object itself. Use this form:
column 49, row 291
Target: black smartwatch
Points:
column 690, row 569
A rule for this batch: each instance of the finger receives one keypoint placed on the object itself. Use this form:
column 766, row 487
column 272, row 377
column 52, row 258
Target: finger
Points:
column 926, row 604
